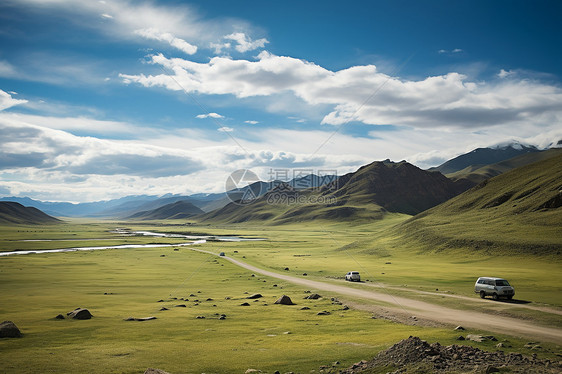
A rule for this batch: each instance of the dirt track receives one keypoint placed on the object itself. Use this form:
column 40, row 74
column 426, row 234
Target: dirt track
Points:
column 422, row 310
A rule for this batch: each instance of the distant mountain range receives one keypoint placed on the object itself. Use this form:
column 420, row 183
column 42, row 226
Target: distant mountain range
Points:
column 369, row 192
column 484, row 156
column 15, row 213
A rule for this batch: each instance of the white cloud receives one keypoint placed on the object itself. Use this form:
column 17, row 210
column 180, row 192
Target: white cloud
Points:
column 245, row 43
column 251, row 122
column 226, row 129
column 178, row 43
column 107, row 16
column 209, row 115
column 7, row 101
column 457, row 50
column 7, row 69
column 505, row 73
column 446, row 101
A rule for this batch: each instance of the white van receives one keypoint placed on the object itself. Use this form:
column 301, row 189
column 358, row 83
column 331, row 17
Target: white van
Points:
column 353, row 276
column 495, row 287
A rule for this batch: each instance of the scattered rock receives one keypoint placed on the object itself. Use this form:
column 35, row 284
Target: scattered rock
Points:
column 209, row 299
column 253, row 275
column 255, row 296
column 200, row 317
column 313, row 296
column 284, row 300
column 412, row 354
column 305, row 308
column 140, row 319
column 287, row 333
column 163, row 308
column 286, row 269
column 8, row 329
column 460, row 337
column 274, row 285
column 304, row 274
column 222, row 317
column 245, row 304
column 160, row 301
column 345, row 307
column 388, row 263
column 480, row 338
column 60, row 316
column 323, row 313
column 459, row 328
column 180, row 306
column 80, row 313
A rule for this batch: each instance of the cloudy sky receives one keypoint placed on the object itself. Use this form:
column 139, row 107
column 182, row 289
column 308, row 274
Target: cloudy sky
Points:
column 102, row 99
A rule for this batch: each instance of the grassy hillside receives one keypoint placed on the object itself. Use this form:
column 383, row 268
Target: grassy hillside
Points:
column 516, row 211
column 479, row 173
column 15, row 213
column 178, row 210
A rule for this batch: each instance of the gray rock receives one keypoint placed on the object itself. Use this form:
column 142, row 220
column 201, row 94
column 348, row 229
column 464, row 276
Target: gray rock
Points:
column 313, row 296
column 255, row 296
column 60, row 316
column 323, row 313
column 80, row 313
column 8, row 329
column 459, row 328
column 284, row 300
column 245, row 304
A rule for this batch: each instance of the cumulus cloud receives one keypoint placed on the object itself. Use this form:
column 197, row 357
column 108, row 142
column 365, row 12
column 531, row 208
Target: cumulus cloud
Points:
column 7, row 101
column 155, row 34
column 244, row 43
column 251, row 122
column 209, row 115
column 449, row 100
column 226, row 129
column 505, row 73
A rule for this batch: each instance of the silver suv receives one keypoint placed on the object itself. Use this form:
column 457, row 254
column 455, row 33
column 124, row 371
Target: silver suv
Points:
column 495, row 287
column 353, row 276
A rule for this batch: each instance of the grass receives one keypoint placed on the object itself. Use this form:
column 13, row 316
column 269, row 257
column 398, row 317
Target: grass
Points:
column 116, row 284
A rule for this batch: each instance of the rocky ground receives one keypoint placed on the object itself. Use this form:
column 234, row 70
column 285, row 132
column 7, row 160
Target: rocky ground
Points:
column 414, row 355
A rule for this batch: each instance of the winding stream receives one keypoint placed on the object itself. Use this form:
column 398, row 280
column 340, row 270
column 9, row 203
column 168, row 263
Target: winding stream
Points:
column 196, row 239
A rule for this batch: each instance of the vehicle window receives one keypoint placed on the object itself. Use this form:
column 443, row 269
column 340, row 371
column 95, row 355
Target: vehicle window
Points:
column 481, row 281
column 502, row 282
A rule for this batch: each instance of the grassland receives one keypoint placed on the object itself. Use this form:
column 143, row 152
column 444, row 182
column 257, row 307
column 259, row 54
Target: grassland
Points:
column 116, row 284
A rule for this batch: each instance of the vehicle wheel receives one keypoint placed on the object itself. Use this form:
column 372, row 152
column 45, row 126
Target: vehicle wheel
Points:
column 510, row 297
column 482, row 294
column 495, row 296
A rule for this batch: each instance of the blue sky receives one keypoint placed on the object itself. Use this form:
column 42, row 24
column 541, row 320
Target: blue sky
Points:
column 102, row 99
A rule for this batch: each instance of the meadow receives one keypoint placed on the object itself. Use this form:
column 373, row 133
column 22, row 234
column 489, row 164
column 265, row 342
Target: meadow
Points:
column 121, row 283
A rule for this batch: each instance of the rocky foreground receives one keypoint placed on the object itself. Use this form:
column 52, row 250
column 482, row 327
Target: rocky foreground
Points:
column 414, row 355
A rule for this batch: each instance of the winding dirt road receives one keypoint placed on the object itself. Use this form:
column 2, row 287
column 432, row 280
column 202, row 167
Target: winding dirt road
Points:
column 421, row 309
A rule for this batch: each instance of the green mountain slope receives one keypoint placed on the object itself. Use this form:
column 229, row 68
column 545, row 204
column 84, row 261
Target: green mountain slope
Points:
column 519, row 210
column 15, row 213
column 367, row 194
column 177, row 210
column 479, row 173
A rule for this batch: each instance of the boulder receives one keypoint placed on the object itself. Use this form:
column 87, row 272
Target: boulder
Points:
column 284, row 300
column 244, row 304
column 323, row 313
column 313, row 296
column 60, row 316
column 255, row 296
column 8, row 329
column 80, row 313
column 459, row 328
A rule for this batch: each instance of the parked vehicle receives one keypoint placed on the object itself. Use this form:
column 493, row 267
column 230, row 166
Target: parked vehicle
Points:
column 222, row 254
column 353, row 276
column 495, row 287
